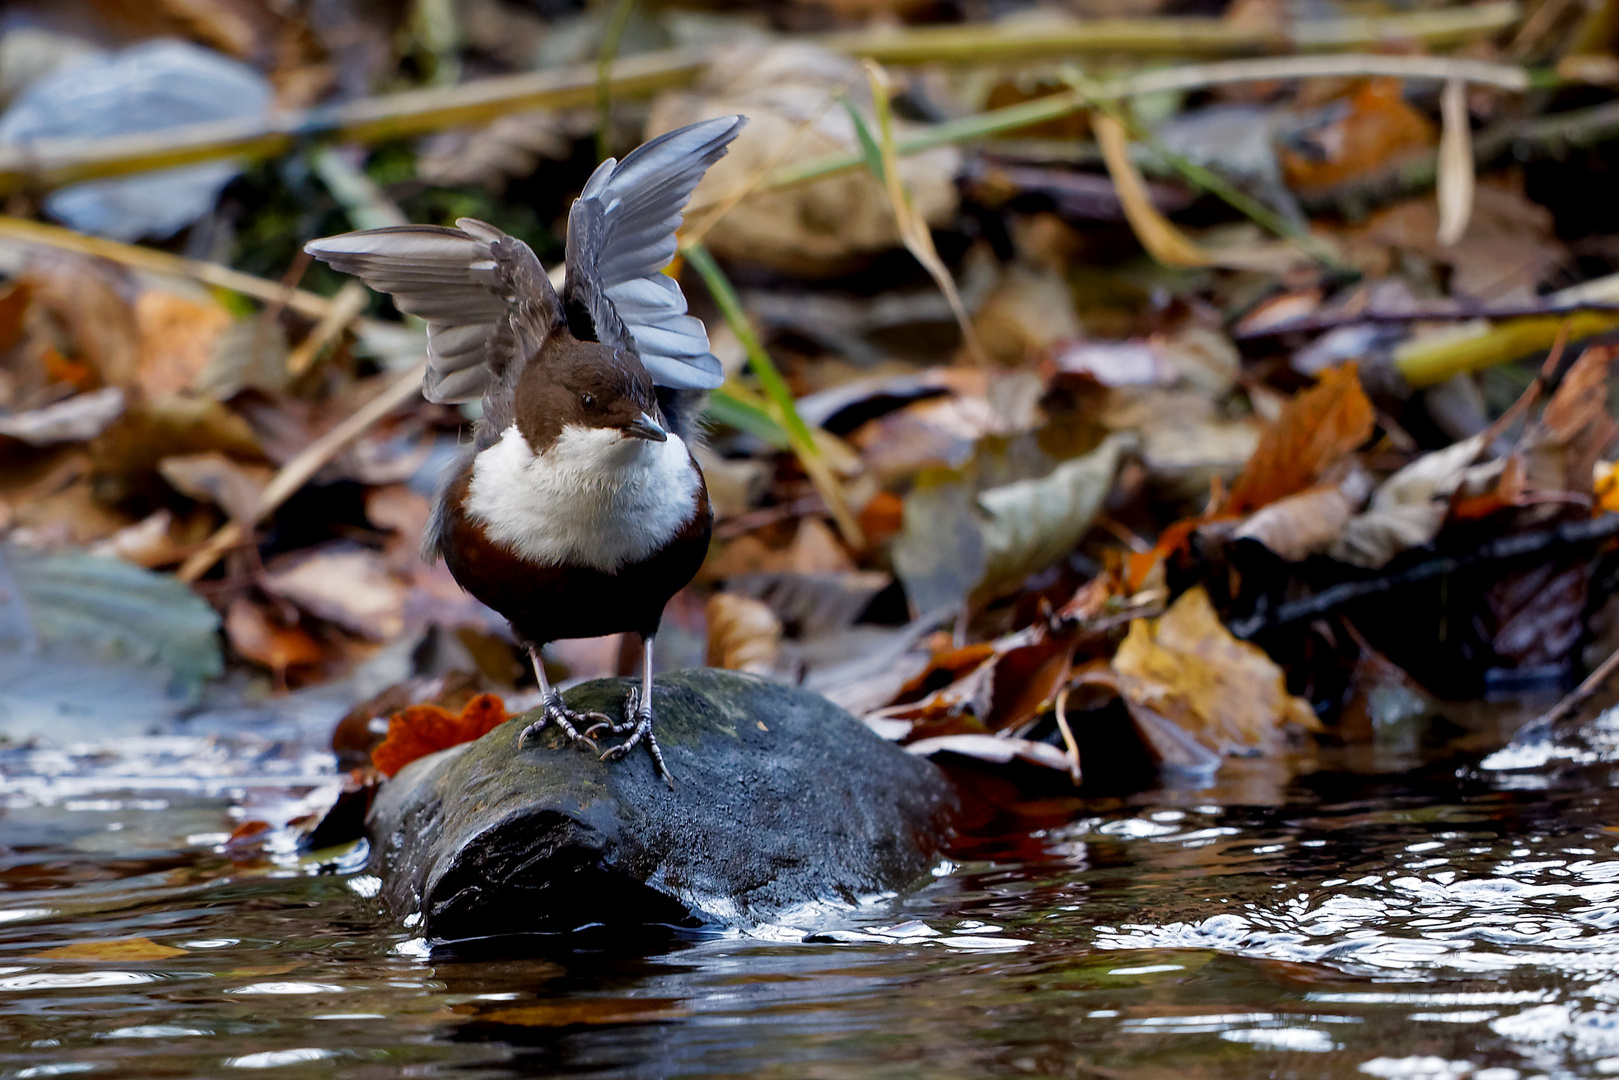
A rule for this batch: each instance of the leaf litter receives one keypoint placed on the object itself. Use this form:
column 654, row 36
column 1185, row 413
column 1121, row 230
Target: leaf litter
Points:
column 1064, row 425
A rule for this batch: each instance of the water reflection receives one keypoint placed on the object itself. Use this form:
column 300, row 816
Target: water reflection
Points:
column 1426, row 929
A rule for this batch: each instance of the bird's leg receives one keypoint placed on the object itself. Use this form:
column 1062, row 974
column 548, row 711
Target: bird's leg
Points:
column 638, row 719
column 553, row 711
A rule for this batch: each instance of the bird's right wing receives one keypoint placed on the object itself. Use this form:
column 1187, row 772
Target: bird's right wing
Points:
column 483, row 294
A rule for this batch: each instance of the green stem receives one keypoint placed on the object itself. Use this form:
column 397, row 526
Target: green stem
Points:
column 770, row 380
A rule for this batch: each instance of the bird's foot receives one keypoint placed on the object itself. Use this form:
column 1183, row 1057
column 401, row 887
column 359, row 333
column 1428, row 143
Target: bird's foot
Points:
column 553, row 711
column 637, row 724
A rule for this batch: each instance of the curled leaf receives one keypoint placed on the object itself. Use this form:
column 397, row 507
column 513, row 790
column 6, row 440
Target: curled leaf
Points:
column 743, row 634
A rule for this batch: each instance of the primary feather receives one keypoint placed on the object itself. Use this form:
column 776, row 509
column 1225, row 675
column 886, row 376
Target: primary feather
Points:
column 621, row 234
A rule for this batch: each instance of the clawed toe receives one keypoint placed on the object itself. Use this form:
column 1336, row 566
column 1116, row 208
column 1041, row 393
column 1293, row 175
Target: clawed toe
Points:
column 553, row 711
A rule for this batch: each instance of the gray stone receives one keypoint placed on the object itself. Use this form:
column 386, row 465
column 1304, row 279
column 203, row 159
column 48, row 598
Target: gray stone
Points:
column 780, row 799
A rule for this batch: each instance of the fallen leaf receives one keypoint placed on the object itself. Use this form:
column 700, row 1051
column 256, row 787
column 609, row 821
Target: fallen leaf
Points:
column 347, row 586
column 149, row 542
column 743, row 634
column 788, row 93
column 1031, row 524
column 255, row 636
column 1186, row 666
column 214, row 478
column 1371, row 130
column 123, row 950
column 426, row 729
column 994, row 749
column 1408, row 509
column 78, row 419
column 812, row 604
column 177, row 340
column 1317, row 428
column 1301, row 525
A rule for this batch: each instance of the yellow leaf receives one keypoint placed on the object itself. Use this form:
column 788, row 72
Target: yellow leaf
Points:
column 122, row 950
column 1605, row 486
column 1187, row 666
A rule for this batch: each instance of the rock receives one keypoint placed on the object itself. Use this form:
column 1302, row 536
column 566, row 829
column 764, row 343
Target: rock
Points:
column 780, row 799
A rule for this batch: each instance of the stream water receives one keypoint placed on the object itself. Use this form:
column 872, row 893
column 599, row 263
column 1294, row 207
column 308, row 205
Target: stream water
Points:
column 1446, row 921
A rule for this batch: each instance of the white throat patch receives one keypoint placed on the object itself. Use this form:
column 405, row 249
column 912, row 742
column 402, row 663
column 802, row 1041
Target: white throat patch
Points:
column 595, row 497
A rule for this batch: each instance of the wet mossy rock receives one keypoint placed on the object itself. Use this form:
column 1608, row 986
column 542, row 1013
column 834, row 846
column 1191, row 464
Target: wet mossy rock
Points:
column 781, row 798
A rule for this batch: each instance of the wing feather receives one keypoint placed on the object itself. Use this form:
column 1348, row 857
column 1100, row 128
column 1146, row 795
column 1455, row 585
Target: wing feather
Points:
column 621, row 235
column 485, row 296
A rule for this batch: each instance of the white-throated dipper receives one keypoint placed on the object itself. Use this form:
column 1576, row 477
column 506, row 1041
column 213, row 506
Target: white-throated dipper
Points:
column 578, row 509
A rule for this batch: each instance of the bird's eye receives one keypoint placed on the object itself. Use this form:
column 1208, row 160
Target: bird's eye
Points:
column 587, row 400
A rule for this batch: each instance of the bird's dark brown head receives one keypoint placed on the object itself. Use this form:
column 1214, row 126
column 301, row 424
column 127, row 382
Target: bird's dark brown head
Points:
column 585, row 384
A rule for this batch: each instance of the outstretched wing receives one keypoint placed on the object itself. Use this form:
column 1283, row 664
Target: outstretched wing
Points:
column 484, row 295
column 621, row 234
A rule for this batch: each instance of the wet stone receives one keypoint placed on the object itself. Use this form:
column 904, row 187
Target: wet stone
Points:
column 781, row 798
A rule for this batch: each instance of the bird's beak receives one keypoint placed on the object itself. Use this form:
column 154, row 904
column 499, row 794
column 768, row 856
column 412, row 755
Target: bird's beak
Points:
column 644, row 427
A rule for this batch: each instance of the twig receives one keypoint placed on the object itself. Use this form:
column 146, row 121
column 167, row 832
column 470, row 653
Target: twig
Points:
column 1507, row 547
column 298, row 472
column 1074, row 771
column 1538, row 728
column 46, row 164
column 1187, row 77
column 345, row 308
column 308, row 304
column 979, row 44
column 798, row 433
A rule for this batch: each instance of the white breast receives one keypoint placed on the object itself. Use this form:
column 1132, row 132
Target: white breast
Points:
column 594, row 498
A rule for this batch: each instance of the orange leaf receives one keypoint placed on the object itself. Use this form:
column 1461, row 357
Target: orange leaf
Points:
column 426, row 729
column 1376, row 129
column 1317, row 428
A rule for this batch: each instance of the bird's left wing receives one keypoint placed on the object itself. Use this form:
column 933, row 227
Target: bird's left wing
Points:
column 621, row 234
column 484, row 295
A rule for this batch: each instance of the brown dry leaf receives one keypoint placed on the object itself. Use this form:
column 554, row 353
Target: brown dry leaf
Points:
column 1301, row 525
column 1409, row 508
column 813, row 228
column 743, row 634
column 177, row 340
column 347, row 586
column 426, row 729
column 506, row 148
column 78, row 419
column 1186, row 666
column 1316, row 429
column 214, row 478
column 1538, row 614
column 1186, row 444
column 1370, row 131
column 993, row 749
column 149, row 542
column 254, row 635
column 85, row 298
column 123, row 950
column 1026, row 316
column 1510, row 245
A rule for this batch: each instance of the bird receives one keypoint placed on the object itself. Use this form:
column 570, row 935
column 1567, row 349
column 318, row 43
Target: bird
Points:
column 578, row 509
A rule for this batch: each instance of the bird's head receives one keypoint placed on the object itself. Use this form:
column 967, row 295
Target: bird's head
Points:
column 587, row 387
